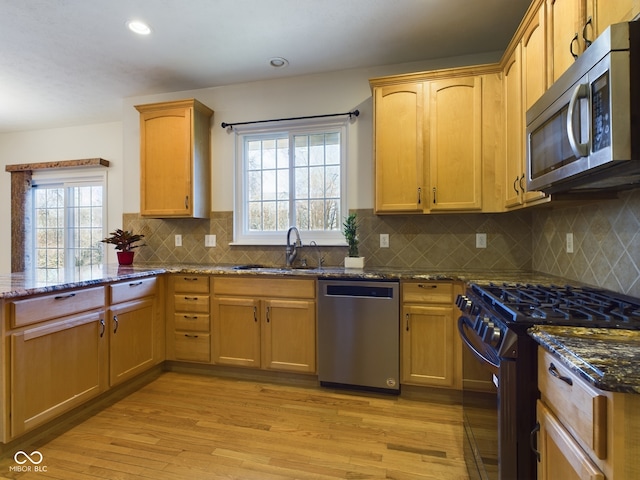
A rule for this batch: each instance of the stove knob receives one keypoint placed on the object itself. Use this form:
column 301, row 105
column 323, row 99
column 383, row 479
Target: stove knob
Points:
column 496, row 335
column 487, row 330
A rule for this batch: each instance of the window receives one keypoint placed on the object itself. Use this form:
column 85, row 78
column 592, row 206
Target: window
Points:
column 68, row 224
column 291, row 177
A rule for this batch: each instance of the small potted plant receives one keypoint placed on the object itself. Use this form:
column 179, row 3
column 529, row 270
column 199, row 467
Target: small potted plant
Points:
column 124, row 241
column 350, row 232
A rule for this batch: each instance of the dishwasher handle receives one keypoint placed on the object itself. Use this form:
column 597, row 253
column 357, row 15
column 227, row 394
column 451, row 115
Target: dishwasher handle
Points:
column 367, row 291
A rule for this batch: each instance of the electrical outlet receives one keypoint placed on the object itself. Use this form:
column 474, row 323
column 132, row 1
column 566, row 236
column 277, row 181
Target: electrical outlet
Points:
column 384, row 240
column 178, row 240
column 569, row 242
column 209, row 240
column 481, row 240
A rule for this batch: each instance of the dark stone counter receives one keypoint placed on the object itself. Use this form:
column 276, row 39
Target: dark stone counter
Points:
column 21, row 284
column 608, row 359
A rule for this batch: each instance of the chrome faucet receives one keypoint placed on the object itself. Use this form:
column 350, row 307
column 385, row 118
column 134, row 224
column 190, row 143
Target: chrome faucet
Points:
column 292, row 251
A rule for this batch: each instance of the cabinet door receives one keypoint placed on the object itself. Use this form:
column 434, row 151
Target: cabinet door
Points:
column 607, row 12
column 514, row 126
column 534, row 82
column 398, row 127
column 289, row 335
column 132, row 338
column 560, row 456
column 56, row 367
column 454, row 129
column 166, row 175
column 566, row 21
column 428, row 347
column 236, row 331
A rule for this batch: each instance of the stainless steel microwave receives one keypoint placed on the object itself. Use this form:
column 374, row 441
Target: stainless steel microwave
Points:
column 583, row 134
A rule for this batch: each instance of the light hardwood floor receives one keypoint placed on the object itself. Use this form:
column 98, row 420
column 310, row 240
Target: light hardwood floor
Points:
column 186, row 426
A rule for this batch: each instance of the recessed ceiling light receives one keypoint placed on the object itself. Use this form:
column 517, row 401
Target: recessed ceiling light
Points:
column 278, row 62
column 139, row 27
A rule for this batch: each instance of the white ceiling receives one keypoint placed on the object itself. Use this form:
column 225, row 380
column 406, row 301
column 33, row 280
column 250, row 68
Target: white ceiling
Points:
column 70, row 62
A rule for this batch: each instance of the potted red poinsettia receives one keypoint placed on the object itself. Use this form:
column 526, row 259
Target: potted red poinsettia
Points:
column 124, row 241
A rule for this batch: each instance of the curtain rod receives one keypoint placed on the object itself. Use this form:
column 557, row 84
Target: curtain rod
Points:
column 355, row 113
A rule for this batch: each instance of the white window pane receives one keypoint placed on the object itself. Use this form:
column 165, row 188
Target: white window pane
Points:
column 283, row 215
column 301, row 151
column 316, row 215
column 316, row 182
column 332, row 182
column 269, row 218
column 283, row 153
column 254, row 185
column 283, row 184
column 255, row 216
column 302, row 183
column 269, row 152
column 332, row 215
column 269, row 185
column 302, row 214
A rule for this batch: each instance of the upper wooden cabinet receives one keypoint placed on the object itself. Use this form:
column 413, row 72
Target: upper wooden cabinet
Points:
column 574, row 24
column 175, row 174
column 432, row 134
column 398, row 133
column 454, row 142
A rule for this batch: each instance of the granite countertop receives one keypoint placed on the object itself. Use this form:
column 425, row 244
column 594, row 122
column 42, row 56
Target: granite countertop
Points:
column 21, row 284
column 608, row 359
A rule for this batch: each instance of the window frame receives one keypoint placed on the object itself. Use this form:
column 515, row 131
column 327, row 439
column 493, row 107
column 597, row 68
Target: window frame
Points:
column 67, row 178
column 290, row 128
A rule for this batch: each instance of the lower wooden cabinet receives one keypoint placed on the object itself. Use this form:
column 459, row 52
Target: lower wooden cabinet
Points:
column 55, row 367
column 430, row 347
column 188, row 319
column 131, row 339
column 562, row 457
column 253, row 329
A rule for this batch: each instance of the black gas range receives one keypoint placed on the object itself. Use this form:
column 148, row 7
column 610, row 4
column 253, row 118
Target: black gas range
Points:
column 493, row 327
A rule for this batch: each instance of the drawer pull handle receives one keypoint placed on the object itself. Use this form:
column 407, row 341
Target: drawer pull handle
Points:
column 407, row 321
column 115, row 321
column 190, row 336
column 255, row 314
column 191, row 317
column 135, row 284
column 103, row 327
column 420, row 285
column 191, row 298
column 553, row 370
column 533, row 440
column 190, row 279
column 63, row 297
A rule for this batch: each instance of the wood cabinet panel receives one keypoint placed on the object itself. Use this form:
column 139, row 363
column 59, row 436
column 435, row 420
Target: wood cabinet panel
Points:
column 190, row 283
column 454, row 137
column 562, row 456
column 273, row 288
column 398, row 146
column 175, row 159
column 289, row 335
column 131, row 339
column 55, row 367
column 187, row 302
column 40, row 308
column 236, row 331
column 131, row 290
column 192, row 347
column 582, row 408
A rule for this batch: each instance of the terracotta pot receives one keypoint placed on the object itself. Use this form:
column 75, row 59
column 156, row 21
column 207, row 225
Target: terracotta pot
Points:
column 125, row 258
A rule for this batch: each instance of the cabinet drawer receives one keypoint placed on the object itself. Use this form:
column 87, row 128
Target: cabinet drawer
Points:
column 60, row 304
column 427, row 292
column 191, row 303
column 192, row 347
column 580, row 407
column 191, row 322
column 135, row 288
column 273, row 288
column 191, row 283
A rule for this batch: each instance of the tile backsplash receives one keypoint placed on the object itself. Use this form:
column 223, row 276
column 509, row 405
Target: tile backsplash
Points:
column 606, row 237
column 606, row 242
column 442, row 242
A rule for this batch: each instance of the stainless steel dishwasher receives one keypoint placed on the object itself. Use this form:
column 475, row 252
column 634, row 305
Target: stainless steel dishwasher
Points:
column 359, row 334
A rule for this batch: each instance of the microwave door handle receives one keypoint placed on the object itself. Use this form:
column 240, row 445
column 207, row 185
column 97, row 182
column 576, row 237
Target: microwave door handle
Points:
column 579, row 149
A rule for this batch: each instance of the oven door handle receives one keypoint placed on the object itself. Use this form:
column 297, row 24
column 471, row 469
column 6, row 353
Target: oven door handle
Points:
column 463, row 324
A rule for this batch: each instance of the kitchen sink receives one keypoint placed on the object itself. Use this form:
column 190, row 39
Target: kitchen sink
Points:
column 258, row 267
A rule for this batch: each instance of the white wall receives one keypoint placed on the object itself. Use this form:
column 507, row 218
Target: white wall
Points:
column 119, row 142
column 88, row 141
